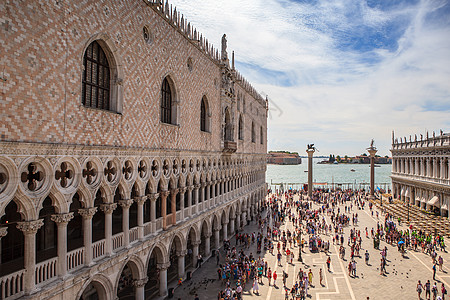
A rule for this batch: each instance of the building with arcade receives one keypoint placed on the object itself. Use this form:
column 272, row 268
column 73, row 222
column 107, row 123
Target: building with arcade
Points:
column 129, row 145
column 421, row 171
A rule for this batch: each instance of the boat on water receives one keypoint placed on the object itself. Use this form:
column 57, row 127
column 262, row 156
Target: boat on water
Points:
column 306, row 171
column 335, row 162
column 353, row 170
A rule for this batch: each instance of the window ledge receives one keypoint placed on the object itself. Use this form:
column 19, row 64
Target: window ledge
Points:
column 169, row 124
column 101, row 110
column 207, row 132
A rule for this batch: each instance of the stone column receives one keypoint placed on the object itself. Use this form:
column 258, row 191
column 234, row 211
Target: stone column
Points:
column 163, row 195
column 182, row 191
column 87, row 214
column 108, row 209
column 139, row 285
column 153, row 197
column 222, row 189
column 441, row 169
column 140, row 215
column 217, row 237
column 173, row 200
column 126, row 203
column 206, row 205
column 190, row 209
column 233, row 219
column 181, row 269
column 61, row 221
column 29, row 229
column 225, row 230
column 372, row 150
column 195, row 245
column 238, row 221
column 202, row 196
column 196, row 187
column 208, row 244
column 214, row 193
column 163, row 278
column 416, row 171
column 310, row 171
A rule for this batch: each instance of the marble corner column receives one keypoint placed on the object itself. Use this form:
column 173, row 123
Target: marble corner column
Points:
column 29, row 229
column 225, row 230
column 196, row 188
column 208, row 244
column 108, row 209
column 195, row 246
column 87, row 214
column 139, row 285
column 217, row 237
column 189, row 209
column 140, row 215
column 61, row 221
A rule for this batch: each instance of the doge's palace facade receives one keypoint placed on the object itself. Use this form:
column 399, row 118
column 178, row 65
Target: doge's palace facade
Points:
column 128, row 146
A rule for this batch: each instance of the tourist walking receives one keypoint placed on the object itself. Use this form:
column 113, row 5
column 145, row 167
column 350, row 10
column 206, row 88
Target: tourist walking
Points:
column 419, row 289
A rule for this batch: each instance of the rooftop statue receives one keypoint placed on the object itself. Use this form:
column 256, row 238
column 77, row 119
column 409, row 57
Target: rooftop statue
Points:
column 224, row 47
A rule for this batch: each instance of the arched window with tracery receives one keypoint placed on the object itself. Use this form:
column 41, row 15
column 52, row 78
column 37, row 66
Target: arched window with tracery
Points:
column 228, row 134
column 241, row 128
column 167, row 101
column 96, row 78
column 204, row 115
column 253, row 132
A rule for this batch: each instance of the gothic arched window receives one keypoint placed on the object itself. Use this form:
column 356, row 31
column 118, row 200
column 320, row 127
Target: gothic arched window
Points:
column 166, row 102
column 241, row 128
column 96, row 78
column 253, row 132
column 204, row 115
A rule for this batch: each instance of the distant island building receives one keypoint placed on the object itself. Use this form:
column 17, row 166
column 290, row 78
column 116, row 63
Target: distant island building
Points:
column 283, row 158
column 359, row 159
column 420, row 171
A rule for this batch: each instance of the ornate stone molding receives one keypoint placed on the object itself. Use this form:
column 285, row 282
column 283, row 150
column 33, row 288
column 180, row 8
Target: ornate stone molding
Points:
column 126, row 203
column 30, row 227
column 140, row 200
column 87, row 213
column 108, row 208
column 153, row 196
column 182, row 190
column 140, row 282
column 62, row 218
column 182, row 253
column 196, row 243
column 164, row 194
column 196, row 186
column 174, row 191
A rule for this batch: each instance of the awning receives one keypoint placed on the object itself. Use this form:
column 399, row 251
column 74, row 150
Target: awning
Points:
column 433, row 201
column 407, row 193
column 444, row 207
column 423, row 200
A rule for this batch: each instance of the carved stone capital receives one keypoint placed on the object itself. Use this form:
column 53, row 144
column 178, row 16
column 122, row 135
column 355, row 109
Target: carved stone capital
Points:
column 196, row 243
column 3, row 231
column 182, row 190
column 181, row 253
column 190, row 188
column 226, row 222
column 217, row 228
column 140, row 200
column 108, row 208
column 163, row 266
column 164, row 194
column 87, row 213
column 208, row 235
column 174, row 191
column 140, row 282
column 203, row 185
column 153, row 196
column 62, row 218
column 126, row 203
column 30, row 227
column 196, row 186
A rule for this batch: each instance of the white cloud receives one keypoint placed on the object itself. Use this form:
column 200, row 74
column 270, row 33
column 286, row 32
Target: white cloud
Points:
column 337, row 96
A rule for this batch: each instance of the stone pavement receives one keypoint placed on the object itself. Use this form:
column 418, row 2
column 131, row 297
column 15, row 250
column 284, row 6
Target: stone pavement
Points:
column 399, row 282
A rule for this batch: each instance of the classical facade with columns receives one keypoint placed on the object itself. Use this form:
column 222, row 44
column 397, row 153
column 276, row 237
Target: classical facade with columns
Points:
column 129, row 146
column 421, row 171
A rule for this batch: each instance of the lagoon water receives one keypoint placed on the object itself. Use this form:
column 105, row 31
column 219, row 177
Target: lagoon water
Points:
column 295, row 175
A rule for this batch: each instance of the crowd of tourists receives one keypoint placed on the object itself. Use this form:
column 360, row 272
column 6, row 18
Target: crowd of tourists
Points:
column 315, row 224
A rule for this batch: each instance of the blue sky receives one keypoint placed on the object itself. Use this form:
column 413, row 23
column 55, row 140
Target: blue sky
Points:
column 338, row 73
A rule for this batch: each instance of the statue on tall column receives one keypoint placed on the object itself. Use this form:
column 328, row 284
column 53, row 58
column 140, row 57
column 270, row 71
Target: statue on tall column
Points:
column 224, row 47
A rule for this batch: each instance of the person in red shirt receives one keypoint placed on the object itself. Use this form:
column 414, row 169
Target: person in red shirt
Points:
column 274, row 278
